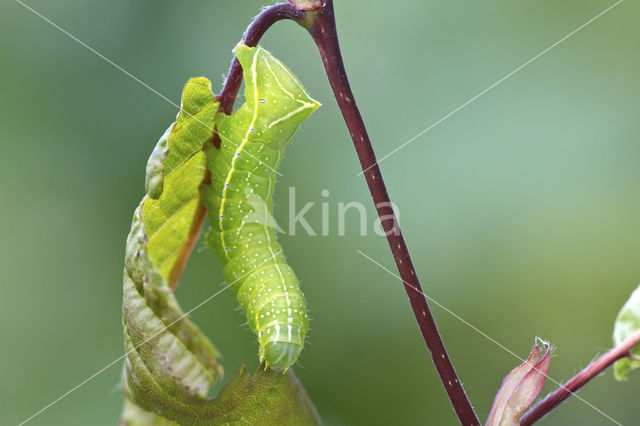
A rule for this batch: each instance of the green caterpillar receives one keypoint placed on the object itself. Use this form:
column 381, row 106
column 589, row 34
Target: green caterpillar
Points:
column 240, row 205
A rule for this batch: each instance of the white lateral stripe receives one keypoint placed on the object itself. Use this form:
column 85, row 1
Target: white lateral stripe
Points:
column 291, row 114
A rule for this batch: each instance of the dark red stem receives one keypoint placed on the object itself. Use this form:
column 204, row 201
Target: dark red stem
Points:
column 321, row 25
column 252, row 36
column 554, row 399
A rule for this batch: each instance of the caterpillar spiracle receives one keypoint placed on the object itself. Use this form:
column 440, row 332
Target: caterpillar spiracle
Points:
column 240, row 205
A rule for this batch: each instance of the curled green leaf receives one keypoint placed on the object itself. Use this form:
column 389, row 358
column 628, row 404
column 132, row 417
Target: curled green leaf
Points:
column 627, row 323
column 159, row 339
column 184, row 138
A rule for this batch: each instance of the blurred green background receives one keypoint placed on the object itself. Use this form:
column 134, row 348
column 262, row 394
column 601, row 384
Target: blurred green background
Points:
column 521, row 210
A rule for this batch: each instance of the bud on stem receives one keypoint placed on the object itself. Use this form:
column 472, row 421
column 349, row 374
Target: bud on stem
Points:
column 306, row 4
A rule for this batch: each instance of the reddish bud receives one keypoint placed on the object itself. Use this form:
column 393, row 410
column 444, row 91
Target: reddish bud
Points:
column 520, row 388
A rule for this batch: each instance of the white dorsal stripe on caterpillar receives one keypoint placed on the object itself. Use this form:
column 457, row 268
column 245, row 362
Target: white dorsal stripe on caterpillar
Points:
column 240, row 205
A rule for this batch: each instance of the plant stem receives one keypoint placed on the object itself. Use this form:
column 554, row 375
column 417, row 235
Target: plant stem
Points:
column 227, row 97
column 322, row 27
column 582, row 378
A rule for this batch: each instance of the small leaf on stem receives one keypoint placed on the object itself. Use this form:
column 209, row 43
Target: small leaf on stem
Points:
column 627, row 323
column 520, row 388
